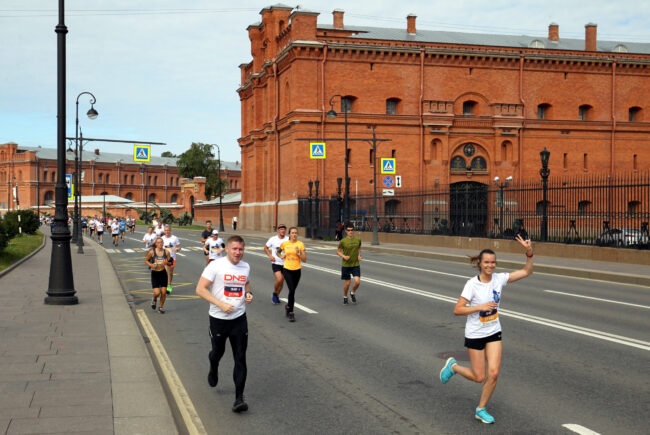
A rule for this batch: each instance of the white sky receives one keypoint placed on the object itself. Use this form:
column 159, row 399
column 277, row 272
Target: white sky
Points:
column 167, row 70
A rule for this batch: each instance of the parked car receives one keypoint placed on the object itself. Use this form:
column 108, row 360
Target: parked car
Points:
column 622, row 237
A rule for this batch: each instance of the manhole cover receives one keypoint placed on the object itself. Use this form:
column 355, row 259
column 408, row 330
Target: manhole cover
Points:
column 458, row 355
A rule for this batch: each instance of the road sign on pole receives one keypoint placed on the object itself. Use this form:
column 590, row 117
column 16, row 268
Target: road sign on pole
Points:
column 68, row 182
column 317, row 150
column 141, row 153
column 388, row 166
column 398, row 181
column 388, row 181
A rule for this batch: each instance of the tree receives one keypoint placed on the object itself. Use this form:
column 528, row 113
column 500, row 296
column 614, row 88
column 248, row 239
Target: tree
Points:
column 167, row 154
column 199, row 161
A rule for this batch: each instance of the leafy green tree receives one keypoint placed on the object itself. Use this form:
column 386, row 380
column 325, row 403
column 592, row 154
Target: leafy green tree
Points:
column 167, row 154
column 199, row 161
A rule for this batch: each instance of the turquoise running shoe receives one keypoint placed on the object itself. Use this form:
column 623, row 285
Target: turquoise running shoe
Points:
column 482, row 415
column 446, row 373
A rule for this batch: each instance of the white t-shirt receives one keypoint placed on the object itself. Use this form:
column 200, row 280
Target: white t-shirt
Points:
column 149, row 239
column 91, row 224
column 115, row 228
column 228, row 285
column 273, row 244
column 484, row 323
column 159, row 230
column 99, row 226
column 171, row 243
column 214, row 248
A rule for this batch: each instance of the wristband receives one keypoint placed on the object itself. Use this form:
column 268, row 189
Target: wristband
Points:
column 529, row 256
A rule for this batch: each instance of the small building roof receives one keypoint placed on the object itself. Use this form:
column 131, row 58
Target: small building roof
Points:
column 228, row 198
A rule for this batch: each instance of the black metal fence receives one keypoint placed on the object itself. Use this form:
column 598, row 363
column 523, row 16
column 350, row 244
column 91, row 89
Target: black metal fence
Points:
column 593, row 210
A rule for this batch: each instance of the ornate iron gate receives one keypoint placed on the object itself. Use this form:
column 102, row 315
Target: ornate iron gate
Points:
column 468, row 208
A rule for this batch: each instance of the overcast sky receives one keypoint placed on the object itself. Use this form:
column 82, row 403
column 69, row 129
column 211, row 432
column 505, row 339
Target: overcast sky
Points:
column 167, row 70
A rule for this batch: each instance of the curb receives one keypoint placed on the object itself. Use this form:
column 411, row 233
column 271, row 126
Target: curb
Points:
column 25, row 258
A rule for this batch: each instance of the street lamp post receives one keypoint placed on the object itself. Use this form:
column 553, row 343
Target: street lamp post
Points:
column 143, row 171
column 60, row 289
column 501, row 201
column 331, row 114
column 544, row 172
column 314, row 231
column 375, row 219
column 339, row 200
column 78, row 162
column 104, row 195
column 309, row 231
column 220, row 192
column 38, row 190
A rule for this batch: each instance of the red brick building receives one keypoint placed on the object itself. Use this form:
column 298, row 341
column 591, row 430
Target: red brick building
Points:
column 432, row 93
column 32, row 171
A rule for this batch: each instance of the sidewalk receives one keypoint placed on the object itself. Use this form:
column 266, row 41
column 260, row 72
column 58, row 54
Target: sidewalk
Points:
column 600, row 270
column 77, row 368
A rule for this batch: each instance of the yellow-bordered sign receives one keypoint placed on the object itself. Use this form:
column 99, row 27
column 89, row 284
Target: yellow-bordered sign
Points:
column 141, row 153
column 317, row 150
column 387, row 166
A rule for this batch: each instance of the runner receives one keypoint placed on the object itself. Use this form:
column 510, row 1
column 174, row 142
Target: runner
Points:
column 214, row 247
column 293, row 252
column 174, row 245
column 225, row 284
column 272, row 249
column 157, row 259
column 479, row 301
column 205, row 235
column 84, row 225
column 115, row 231
column 91, row 224
column 350, row 251
column 159, row 229
column 122, row 228
column 234, row 223
column 99, row 227
column 130, row 224
column 149, row 238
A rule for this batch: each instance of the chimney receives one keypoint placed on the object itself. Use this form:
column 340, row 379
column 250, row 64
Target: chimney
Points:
column 554, row 32
column 96, row 151
column 410, row 23
column 590, row 36
column 338, row 18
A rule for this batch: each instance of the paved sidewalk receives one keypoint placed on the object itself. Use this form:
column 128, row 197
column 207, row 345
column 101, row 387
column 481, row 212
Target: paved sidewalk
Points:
column 78, row 368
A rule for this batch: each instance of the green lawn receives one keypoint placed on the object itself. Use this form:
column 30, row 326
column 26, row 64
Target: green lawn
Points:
column 19, row 247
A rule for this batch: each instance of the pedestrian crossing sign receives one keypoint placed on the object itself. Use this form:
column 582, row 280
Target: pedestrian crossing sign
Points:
column 387, row 166
column 141, row 153
column 70, row 186
column 317, row 150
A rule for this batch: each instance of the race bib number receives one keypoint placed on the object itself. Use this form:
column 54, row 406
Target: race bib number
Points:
column 488, row 318
column 233, row 291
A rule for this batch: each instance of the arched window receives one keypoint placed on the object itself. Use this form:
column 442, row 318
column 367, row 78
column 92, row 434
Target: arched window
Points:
column 479, row 164
column 347, row 103
column 177, row 181
column 149, row 179
column 620, row 48
column 539, row 208
column 152, row 197
column 392, row 105
column 536, row 43
column 458, row 164
column 129, row 196
column 543, row 111
column 506, row 151
column 634, row 114
column 469, row 107
column 132, row 178
column 108, row 177
column 49, row 197
column 584, row 112
column 155, row 180
column 126, row 177
column 101, row 177
column 583, row 208
column 53, row 176
column 174, row 198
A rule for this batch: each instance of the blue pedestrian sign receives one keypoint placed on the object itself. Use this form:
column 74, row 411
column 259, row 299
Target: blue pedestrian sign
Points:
column 387, row 166
column 141, row 153
column 388, row 181
column 317, row 150
column 68, row 182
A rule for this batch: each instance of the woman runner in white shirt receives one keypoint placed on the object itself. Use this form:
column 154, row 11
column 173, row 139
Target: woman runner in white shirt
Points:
column 479, row 301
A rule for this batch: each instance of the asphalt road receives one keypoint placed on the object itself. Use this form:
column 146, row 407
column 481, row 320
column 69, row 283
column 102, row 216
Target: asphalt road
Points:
column 575, row 351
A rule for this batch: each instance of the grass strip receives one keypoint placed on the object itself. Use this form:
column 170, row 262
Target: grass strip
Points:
column 19, row 247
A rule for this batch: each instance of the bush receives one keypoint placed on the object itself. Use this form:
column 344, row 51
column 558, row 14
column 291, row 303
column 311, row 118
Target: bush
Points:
column 28, row 222
column 4, row 237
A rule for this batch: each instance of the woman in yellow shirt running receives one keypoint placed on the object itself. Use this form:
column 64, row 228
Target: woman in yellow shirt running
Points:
column 293, row 252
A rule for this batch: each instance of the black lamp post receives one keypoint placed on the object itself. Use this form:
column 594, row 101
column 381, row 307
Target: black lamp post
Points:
column 220, row 192
column 38, row 189
column 104, row 195
column 60, row 289
column 92, row 114
column 143, row 171
column 501, row 201
column 375, row 219
column 544, row 172
column 73, row 181
column 310, row 224
column 339, row 200
column 314, row 232
column 331, row 114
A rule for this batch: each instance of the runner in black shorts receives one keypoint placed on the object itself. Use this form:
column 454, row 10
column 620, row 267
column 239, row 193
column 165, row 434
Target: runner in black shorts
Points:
column 272, row 250
column 157, row 258
column 205, row 235
column 479, row 301
column 350, row 251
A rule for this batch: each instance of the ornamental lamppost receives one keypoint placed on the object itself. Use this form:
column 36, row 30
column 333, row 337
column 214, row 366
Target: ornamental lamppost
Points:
column 220, row 191
column 501, row 200
column 78, row 163
column 544, row 172
column 60, row 289
column 143, row 171
column 331, row 114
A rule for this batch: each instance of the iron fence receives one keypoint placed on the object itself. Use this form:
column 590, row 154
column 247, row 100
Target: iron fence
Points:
column 592, row 210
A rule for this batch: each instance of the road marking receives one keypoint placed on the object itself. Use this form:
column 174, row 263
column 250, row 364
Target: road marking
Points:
column 130, row 251
column 302, row 307
column 579, row 429
column 110, row 251
column 183, row 401
column 182, row 255
column 598, row 299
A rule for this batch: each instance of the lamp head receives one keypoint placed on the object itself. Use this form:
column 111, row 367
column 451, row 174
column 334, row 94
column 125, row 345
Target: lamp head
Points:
column 509, row 179
column 92, row 113
column 496, row 180
column 331, row 114
column 544, row 155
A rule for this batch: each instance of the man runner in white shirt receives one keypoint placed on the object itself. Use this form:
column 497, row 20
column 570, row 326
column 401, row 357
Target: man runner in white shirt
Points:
column 225, row 284
column 115, row 231
column 159, row 229
column 174, row 245
column 149, row 238
column 99, row 226
column 271, row 249
column 214, row 247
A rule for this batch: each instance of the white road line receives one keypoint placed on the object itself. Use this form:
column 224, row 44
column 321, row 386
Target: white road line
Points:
column 183, row 401
column 128, row 250
column 601, row 335
column 579, row 429
column 302, row 307
column 110, row 251
column 182, row 255
column 598, row 299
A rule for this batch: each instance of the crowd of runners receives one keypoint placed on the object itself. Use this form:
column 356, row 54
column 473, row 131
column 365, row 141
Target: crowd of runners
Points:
column 225, row 284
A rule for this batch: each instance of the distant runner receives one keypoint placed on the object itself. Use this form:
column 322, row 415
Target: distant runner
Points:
column 272, row 249
column 293, row 251
column 214, row 247
column 205, row 235
column 115, row 231
column 149, row 238
column 99, row 227
column 122, row 223
column 350, row 251
column 174, row 245
column 157, row 258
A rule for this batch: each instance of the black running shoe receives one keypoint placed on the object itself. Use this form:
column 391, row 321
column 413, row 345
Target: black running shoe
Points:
column 240, row 405
column 213, row 379
column 161, row 310
column 353, row 298
column 345, row 300
column 153, row 304
column 292, row 317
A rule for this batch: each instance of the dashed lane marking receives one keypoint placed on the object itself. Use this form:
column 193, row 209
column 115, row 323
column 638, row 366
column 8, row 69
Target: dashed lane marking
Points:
column 302, row 307
column 598, row 299
column 186, row 407
column 128, row 250
column 579, row 429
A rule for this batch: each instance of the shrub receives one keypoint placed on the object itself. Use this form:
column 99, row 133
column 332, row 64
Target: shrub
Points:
column 28, row 222
column 4, row 237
